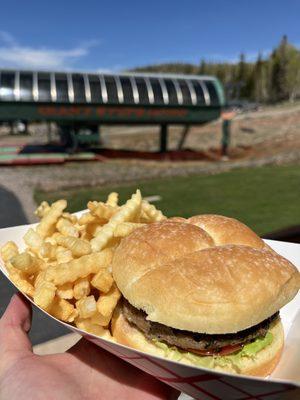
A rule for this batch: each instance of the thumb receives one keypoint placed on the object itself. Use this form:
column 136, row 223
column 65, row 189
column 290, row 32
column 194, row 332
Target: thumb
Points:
column 14, row 326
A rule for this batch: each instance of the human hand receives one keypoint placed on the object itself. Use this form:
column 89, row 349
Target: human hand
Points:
column 85, row 372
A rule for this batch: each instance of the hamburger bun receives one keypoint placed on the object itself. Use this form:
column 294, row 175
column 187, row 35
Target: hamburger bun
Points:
column 215, row 281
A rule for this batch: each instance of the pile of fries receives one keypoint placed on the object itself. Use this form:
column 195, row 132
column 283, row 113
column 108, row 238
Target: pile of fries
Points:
column 66, row 266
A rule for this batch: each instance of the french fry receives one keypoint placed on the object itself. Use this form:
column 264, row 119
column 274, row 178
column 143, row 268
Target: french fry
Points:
column 103, row 280
column 99, row 319
column 63, row 310
column 102, row 210
column 63, row 255
column 46, row 227
column 48, row 250
column 92, row 204
column 112, row 199
column 97, row 330
column 125, row 228
column 78, row 247
column 107, row 302
column 25, row 263
column 33, row 239
column 66, row 227
column 20, row 281
column 68, row 259
column 42, row 209
column 53, row 237
column 93, row 228
column 125, row 214
column 86, row 236
column 86, row 218
column 71, row 217
column 44, row 292
column 8, row 251
column 150, row 213
column 79, row 268
column 81, row 288
column 65, row 291
column 86, row 307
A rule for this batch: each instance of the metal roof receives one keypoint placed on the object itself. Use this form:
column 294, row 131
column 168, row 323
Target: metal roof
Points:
column 126, row 88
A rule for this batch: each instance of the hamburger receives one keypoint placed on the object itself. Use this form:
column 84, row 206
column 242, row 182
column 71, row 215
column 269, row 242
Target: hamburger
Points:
column 205, row 291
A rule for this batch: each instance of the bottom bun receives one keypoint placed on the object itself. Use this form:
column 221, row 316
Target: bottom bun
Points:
column 261, row 364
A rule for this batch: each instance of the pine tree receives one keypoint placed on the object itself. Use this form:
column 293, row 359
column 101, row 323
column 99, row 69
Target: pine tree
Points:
column 273, row 79
column 279, row 62
column 203, row 68
column 259, row 80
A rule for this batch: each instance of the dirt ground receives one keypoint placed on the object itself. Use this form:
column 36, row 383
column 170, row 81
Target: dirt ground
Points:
column 256, row 134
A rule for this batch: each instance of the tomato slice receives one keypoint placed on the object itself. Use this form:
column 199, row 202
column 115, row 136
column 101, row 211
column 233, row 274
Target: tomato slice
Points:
column 224, row 351
column 203, row 352
column 230, row 349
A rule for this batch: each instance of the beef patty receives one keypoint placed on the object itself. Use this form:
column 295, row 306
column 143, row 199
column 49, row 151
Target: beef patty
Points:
column 190, row 340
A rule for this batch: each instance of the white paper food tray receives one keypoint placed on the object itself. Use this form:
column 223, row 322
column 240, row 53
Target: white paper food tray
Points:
column 201, row 383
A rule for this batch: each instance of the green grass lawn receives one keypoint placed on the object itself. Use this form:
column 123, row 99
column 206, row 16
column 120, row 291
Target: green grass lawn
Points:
column 265, row 198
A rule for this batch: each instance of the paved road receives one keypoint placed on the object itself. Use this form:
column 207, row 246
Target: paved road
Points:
column 12, row 213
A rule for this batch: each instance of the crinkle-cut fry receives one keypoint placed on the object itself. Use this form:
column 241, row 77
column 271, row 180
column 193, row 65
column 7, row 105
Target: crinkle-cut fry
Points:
column 63, row 310
column 86, row 236
column 46, row 227
column 42, row 209
column 81, row 288
column 32, row 239
column 102, row 210
column 52, row 239
column 20, row 280
column 25, row 263
column 48, row 251
column 44, row 292
column 81, row 230
column 94, row 228
column 125, row 228
column 112, row 199
column 71, row 217
column 107, row 302
column 86, row 307
column 9, row 250
column 97, row 330
column 79, row 268
column 103, row 280
column 78, row 247
column 66, row 227
column 92, row 204
column 150, row 213
column 101, row 320
column 113, row 243
column 125, row 214
column 63, row 255
column 65, row 291
column 86, row 218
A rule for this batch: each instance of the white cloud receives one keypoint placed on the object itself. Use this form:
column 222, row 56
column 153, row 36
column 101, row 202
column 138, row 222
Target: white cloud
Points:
column 14, row 55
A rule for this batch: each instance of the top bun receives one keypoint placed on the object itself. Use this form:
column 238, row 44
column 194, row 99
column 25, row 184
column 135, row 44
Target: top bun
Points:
column 217, row 277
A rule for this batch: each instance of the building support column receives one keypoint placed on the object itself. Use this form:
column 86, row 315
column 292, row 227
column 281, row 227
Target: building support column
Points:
column 163, row 138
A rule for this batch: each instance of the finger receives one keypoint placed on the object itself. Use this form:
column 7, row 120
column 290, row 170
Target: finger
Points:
column 14, row 326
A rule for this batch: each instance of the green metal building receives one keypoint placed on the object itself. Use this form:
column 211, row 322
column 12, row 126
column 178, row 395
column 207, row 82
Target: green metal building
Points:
column 75, row 100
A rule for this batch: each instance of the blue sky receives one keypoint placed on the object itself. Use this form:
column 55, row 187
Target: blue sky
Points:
column 115, row 35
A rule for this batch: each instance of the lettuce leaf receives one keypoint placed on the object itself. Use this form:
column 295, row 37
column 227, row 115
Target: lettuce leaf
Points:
column 249, row 350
